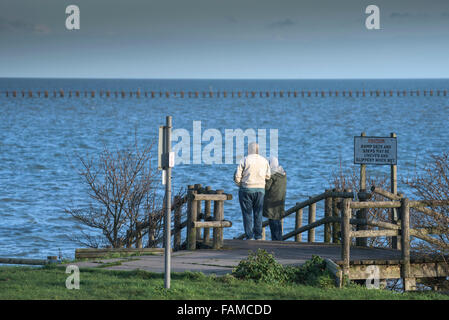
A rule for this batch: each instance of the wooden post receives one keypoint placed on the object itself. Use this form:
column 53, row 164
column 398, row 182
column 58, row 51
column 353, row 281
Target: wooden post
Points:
column 207, row 206
column 298, row 224
column 218, row 216
column 312, row 216
column 363, row 171
column 191, row 217
column 408, row 282
column 198, row 212
column 177, row 218
column 264, row 233
column 346, row 237
column 336, row 213
column 395, row 241
column 327, row 213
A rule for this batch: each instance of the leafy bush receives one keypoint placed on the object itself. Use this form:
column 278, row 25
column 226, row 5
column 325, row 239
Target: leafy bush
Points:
column 260, row 267
column 312, row 273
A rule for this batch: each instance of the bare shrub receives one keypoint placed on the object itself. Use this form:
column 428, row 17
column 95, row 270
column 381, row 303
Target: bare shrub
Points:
column 350, row 179
column 125, row 206
column 432, row 184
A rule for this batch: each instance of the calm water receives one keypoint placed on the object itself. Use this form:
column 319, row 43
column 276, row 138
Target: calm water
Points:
column 39, row 138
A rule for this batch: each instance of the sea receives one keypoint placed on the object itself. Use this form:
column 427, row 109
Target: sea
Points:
column 41, row 139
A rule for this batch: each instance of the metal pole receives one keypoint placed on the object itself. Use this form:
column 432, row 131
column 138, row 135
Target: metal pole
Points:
column 167, row 221
column 362, row 213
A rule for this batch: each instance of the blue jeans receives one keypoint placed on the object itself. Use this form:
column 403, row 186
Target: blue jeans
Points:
column 275, row 229
column 251, row 204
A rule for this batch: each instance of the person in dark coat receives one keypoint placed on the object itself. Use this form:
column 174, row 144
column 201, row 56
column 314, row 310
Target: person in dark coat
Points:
column 274, row 200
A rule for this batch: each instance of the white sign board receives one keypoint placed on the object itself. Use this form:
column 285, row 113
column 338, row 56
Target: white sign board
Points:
column 375, row 150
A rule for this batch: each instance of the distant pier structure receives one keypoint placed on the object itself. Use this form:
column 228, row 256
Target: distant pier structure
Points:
column 247, row 94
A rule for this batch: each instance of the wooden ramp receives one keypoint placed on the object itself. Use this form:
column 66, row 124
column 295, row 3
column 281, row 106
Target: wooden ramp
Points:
column 222, row 261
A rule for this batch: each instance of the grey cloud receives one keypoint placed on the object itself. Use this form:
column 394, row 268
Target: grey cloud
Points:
column 281, row 24
column 399, row 15
column 231, row 19
column 17, row 25
column 408, row 15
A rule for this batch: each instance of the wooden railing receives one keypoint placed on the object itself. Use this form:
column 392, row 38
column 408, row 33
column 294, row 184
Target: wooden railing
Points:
column 338, row 218
column 330, row 221
column 210, row 217
column 389, row 229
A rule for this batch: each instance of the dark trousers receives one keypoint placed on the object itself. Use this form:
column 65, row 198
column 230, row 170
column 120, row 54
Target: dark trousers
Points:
column 275, row 229
column 251, row 204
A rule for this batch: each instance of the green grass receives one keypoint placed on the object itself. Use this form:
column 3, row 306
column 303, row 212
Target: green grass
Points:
column 49, row 283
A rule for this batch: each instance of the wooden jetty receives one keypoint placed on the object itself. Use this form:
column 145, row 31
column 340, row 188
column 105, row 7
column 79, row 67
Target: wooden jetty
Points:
column 346, row 258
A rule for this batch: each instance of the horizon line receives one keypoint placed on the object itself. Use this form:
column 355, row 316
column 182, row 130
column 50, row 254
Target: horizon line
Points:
column 231, row 79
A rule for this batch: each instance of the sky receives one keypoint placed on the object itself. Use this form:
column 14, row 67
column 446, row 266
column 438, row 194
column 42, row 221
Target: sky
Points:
column 232, row 39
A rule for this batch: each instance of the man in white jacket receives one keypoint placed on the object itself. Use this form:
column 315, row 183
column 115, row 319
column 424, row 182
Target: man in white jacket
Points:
column 250, row 176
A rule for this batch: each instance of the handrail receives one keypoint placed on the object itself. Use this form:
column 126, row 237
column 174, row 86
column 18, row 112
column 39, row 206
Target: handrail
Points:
column 302, row 205
column 385, row 193
column 315, row 199
column 310, row 226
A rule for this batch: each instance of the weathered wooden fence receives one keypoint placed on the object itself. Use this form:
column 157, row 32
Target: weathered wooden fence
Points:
column 205, row 211
column 401, row 230
column 345, row 219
